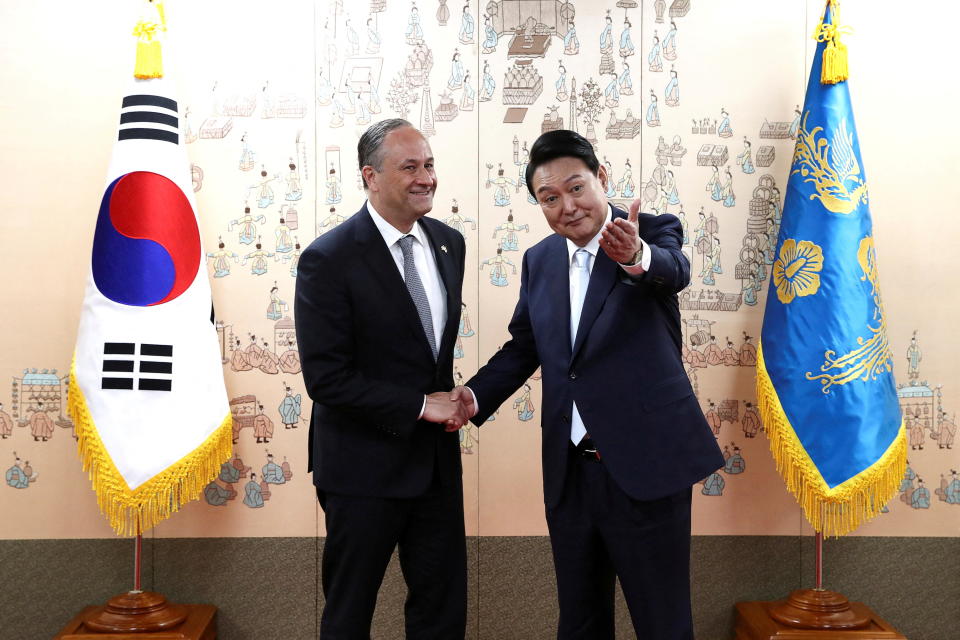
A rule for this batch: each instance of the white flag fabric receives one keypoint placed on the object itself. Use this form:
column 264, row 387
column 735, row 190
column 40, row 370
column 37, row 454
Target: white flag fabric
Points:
column 146, row 392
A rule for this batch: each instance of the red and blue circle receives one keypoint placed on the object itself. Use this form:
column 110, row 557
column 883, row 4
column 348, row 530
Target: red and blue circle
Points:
column 146, row 247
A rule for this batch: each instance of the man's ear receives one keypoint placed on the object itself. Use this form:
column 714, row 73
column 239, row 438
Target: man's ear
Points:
column 369, row 175
column 602, row 176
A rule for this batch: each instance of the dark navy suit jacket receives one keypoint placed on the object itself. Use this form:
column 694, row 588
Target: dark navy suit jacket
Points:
column 625, row 371
column 367, row 363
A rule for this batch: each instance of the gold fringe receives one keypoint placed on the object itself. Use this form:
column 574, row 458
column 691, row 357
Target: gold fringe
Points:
column 149, row 53
column 135, row 511
column 837, row 511
column 834, row 67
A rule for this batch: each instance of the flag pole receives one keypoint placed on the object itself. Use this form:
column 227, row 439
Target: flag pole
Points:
column 818, row 561
column 137, row 560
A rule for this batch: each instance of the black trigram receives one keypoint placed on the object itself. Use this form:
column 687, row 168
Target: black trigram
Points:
column 151, row 115
column 152, row 368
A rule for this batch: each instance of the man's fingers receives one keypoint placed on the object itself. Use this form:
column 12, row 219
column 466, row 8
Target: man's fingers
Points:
column 634, row 210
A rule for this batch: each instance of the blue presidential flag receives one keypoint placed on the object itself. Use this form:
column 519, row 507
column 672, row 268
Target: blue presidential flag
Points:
column 825, row 370
column 146, row 387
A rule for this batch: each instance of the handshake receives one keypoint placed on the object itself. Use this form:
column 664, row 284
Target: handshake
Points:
column 450, row 408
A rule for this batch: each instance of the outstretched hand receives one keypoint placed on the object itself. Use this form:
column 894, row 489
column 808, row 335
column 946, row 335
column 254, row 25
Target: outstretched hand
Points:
column 620, row 238
column 450, row 408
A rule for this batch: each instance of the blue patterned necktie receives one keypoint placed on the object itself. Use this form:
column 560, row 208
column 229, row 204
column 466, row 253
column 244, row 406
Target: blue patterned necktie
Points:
column 417, row 292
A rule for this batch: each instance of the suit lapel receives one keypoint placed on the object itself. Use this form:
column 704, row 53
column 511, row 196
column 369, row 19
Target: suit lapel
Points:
column 602, row 279
column 383, row 267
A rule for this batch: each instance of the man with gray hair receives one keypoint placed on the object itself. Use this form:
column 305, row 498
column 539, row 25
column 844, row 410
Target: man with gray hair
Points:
column 377, row 309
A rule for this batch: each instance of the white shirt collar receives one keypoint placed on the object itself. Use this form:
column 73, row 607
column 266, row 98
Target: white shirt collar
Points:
column 593, row 246
column 391, row 235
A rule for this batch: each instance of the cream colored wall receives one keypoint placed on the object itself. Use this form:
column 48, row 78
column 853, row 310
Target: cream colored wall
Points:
column 65, row 66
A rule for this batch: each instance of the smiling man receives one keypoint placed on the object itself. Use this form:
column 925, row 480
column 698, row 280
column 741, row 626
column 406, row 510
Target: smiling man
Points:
column 377, row 311
column 623, row 435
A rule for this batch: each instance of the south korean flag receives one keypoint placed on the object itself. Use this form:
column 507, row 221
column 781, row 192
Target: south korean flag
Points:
column 147, row 391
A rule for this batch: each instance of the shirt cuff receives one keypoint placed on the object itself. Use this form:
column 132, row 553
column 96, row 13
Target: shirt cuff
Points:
column 643, row 266
column 423, row 407
column 476, row 405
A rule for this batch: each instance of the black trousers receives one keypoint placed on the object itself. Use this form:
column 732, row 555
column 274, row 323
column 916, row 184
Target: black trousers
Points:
column 598, row 533
column 362, row 533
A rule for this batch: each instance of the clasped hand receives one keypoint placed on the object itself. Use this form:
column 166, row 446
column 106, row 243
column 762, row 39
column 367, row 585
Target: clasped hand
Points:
column 452, row 409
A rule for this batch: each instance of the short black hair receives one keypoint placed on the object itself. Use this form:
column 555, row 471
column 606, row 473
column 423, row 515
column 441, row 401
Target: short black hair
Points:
column 369, row 146
column 561, row 143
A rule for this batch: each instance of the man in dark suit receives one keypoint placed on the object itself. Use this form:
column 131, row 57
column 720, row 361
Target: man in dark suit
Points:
column 623, row 435
column 377, row 307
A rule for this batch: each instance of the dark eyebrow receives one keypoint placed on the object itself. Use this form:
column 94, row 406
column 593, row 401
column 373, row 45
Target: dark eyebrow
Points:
column 575, row 176
column 415, row 161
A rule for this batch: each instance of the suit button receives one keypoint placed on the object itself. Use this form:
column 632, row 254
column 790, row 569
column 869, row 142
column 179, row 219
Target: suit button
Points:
column 573, row 375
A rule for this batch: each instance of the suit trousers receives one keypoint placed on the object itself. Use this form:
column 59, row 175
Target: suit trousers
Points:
column 599, row 533
column 362, row 533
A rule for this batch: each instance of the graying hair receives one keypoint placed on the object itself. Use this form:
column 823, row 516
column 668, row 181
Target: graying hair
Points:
column 369, row 150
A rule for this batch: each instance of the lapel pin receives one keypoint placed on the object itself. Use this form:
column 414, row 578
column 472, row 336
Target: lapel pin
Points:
column 443, row 248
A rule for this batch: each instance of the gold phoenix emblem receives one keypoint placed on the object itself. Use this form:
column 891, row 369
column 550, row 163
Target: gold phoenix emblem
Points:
column 832, row 167
column 872, row 355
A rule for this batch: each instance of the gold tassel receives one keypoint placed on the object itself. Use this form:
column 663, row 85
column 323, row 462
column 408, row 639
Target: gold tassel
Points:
column 834, row 67
column 136, row 511
column 836, row 511
column 149, row 53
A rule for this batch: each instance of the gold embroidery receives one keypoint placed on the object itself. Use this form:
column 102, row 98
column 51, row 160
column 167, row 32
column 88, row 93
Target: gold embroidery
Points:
column 830, row 166
column 797, row 270
column 873, row 355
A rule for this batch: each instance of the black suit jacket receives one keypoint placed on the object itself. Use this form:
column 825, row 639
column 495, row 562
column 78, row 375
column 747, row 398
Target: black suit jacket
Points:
column 367, row 363
column 625, row 371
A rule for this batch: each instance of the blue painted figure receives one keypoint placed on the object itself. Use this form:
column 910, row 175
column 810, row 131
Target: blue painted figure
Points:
column 606, row 36
column 16, row 477
column 221, row 260
column 290, row 409
column 265, row 197
column 561, row 84
column 490, row 36
column 252, row 494
column 498, row 272
column 501, row 195
column 611, row 184
column 653, row 113
column 723, row 129
column 229, row 473
column 626, row 184
column 455, row 81
column 524, row 405
column 653, row 58
column 729, row 199
column 414, row 31
column 672, row 91
column 509, row 241
column 246, row 154
column 277, row 306
column 795, row 125
column 750, row 287
column 353, row 39
column 215, row 495
column 735, row 464
column 612, row 92
column 284, row 237
column 294, row 192
column 334, row 193
column 713, row 485
column 272, row 472
column 745, row 159
column 465, row 330
column 670, row 42
column 571, row 44
column 373, row 38
column 951, row 492
column 248, row 228
column 467, row 26
column 487, row 84
column 920, row 499
column 626, row 44
column 258, row 267
column 907, row 483
column 626, row 82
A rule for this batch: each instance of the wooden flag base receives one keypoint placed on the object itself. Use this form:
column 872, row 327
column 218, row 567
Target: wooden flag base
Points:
column 811, row 614
column 142, row 615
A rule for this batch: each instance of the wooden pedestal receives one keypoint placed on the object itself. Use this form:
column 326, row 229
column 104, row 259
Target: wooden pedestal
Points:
column 200, row 624
column 755, row 622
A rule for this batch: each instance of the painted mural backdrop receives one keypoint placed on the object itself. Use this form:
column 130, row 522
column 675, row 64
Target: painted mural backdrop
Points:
column 693, row 107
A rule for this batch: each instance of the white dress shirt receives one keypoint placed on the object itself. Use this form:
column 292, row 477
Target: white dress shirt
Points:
column 426, row 262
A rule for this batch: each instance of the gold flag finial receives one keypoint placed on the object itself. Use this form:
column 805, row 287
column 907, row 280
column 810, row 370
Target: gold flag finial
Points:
column 834, row 67
column 149, row 55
